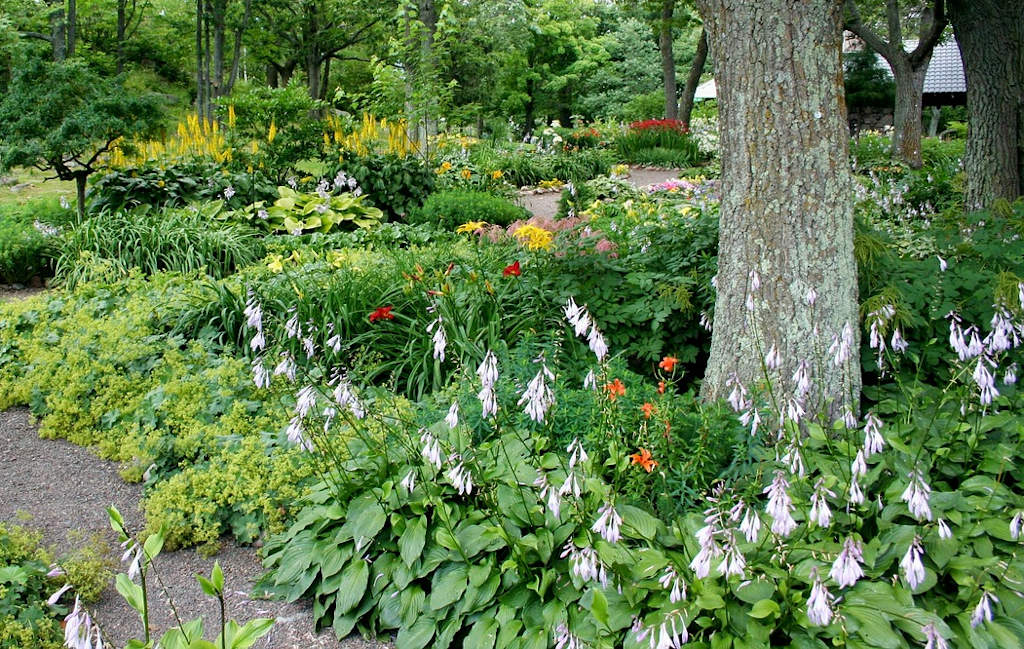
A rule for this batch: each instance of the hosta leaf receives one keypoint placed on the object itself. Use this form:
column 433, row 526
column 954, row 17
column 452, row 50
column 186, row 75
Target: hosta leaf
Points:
column 410, row 544
column 353, row 585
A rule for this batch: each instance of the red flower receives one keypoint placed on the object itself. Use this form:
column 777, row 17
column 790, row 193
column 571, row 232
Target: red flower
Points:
column 512, row 269
column 382, row 313
column 643, row 458
column 668, row 363
column 615, row 389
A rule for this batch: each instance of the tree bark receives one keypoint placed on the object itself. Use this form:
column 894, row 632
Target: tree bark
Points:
column 994, row 67
column 72, row 26
column 58, row 34
column 693, row 79
column 122, row 29
column 908, row 113
column 668, row 61
column 200, row 80
column 219, row 31
column 80, row 179
column 786, row 215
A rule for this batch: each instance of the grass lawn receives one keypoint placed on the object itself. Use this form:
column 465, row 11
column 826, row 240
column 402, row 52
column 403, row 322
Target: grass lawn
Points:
column 38, row 187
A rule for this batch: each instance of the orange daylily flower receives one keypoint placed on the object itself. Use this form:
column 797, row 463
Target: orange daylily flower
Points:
column 615, row 389
column 643, row 458
column 648, row 409
column 661, row 387
column 668, row 363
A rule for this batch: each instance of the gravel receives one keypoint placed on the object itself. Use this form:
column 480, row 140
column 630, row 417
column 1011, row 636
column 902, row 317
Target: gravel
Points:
column 63, row 490
column 546, row 204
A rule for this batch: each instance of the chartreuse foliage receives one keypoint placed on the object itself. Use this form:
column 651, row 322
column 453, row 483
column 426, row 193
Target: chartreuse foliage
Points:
column 98, row 369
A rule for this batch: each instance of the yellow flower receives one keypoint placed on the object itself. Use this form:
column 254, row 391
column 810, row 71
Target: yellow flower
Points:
column 231, row 116
column 496, row 174
column 272, row 133
column 276, row 264
column 467, row 174
column 533, row 237
column 472, row 226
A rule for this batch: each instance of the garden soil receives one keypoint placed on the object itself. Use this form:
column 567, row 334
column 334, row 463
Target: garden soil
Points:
column 63, row 491
column 546, row 204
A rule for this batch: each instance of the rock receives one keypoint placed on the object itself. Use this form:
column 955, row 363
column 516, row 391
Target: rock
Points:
column 7, row 180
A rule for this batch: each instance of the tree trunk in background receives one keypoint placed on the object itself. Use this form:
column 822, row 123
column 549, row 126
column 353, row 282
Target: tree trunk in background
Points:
column 991, row 38
column 80, row 179
column 908, row 115
column 693, row 79
column 72, row 26
column 668, row 61
column 219, row 27
column 58, row 34
column 428, row 66
column 933, row 124
column 122, row 30
column 787, row 198
column 237, row 53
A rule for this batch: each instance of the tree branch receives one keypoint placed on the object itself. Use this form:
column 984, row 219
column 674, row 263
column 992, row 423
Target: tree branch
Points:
column 42, row 37
column 892, row 17
column 933, row 23
column 874, row 41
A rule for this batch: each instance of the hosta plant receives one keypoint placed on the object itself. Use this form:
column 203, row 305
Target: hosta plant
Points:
column 296, row 212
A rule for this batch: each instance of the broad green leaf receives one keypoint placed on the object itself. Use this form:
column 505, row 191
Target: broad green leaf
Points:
column 410, row 544
column 764, row 608
column 252, row 631
column 483, row 634
column 416, row 636
column 599, row 607
column 447, row 585
column 353, row 585
column 637, row 522
column 130, row 591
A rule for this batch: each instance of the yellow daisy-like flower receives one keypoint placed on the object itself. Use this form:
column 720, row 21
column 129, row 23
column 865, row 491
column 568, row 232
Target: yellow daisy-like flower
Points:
column 496, row 174
column 276, row 263
column 534, row 238
column 471, row 226
column 466, row 174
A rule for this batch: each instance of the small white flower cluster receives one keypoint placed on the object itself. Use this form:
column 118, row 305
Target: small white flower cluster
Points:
column 80, row 632
column 488, row 373
column 564, row 639
column 582, row 323
column 585, row 564
column 439, row 338
column 343, row 181
column 670, row 634
column 538, row 396
column 459, row 475
column 608, row 523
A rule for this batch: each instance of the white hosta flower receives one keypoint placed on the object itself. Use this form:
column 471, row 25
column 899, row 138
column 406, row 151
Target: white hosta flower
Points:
column 253, row 313
column 488, row 370
column 488, row 402
column 856, row 496
column 673, row 583
column 549, row 495
column 564, row 639
column 258, row 342
column 819, row 604
column 577, row 454
column 260, row 374
column 570, row 486
column 898, row 343
column 751, row 418
column 932, row 638
column 309, row 346
column 916, row 496
column 750, row 525
column 1010, row 375
column 709, row 548
column 667, row 635
column 334, row 342
column 738, row 395
column 811, row 297
column 452, row 418
column 794, row 409
column 286, row 366
column 590, row 381
column 733, row 563
column 780, row 506
column 292, row 328
column 305, row 400
column 983, row 611
column 841, row 345
column 773, row 360
column 597, row 344
column 986, row 382
column 859, row 467
column 584, row 563
column 755, row 281
column 439, row 338
column 409, row 481
column 802, row 378
column 820, row 513
column 577, row 316
column 64, row 202
column 942, row 264
column 873, row 440
column 78, row 628
column 608, row 523
column 846, row 568
column 1016, row 524
column 431, row 449
column 943, row 529
column 53, row 599
column 913, row 568
column 296, row 434
column 1003, row 335
column 705, row 321
column 460, row 476
column 538, row 396
column 229, row 191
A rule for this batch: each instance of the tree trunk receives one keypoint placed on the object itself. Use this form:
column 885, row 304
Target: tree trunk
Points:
column 237, row 54
column 80, row 178
column 668, row 61
column 907, row 116
column 122, row 29
column 200, row 81
column 933, row 125
column 58, row 34
column 991, row 38
column 272, row 75
column 72, row 26
column 693, row 79
column 787, row 200
column 219, row 28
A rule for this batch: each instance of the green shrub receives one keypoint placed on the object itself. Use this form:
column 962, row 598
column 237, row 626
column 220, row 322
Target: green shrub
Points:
column 393, row 183
column 450, row 209
column 527, row 168
column 26, row 250
column 296, row 212
column 185, row 240
column 659, row 142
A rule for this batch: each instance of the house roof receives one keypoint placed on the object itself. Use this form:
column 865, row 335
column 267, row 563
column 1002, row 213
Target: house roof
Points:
column 945, row 72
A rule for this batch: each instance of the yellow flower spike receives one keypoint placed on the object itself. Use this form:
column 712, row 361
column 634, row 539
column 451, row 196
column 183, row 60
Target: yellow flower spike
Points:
column 327, row 140
column 272, row 133
column 231, row 115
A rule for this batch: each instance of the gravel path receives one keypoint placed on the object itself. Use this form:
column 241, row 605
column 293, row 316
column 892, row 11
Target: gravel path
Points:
column 66, row 490
column 546, row 204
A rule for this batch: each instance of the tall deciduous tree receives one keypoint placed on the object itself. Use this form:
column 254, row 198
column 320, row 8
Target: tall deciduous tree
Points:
column 908, row 68
column 786, row 224
column 62, row 117
column 991, row 38
column 693, row 79
column 668, row 61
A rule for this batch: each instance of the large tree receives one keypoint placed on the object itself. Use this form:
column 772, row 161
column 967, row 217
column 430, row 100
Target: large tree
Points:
column 62, row 117
column 908, row 68
column 991, row 38
column 786, row 224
